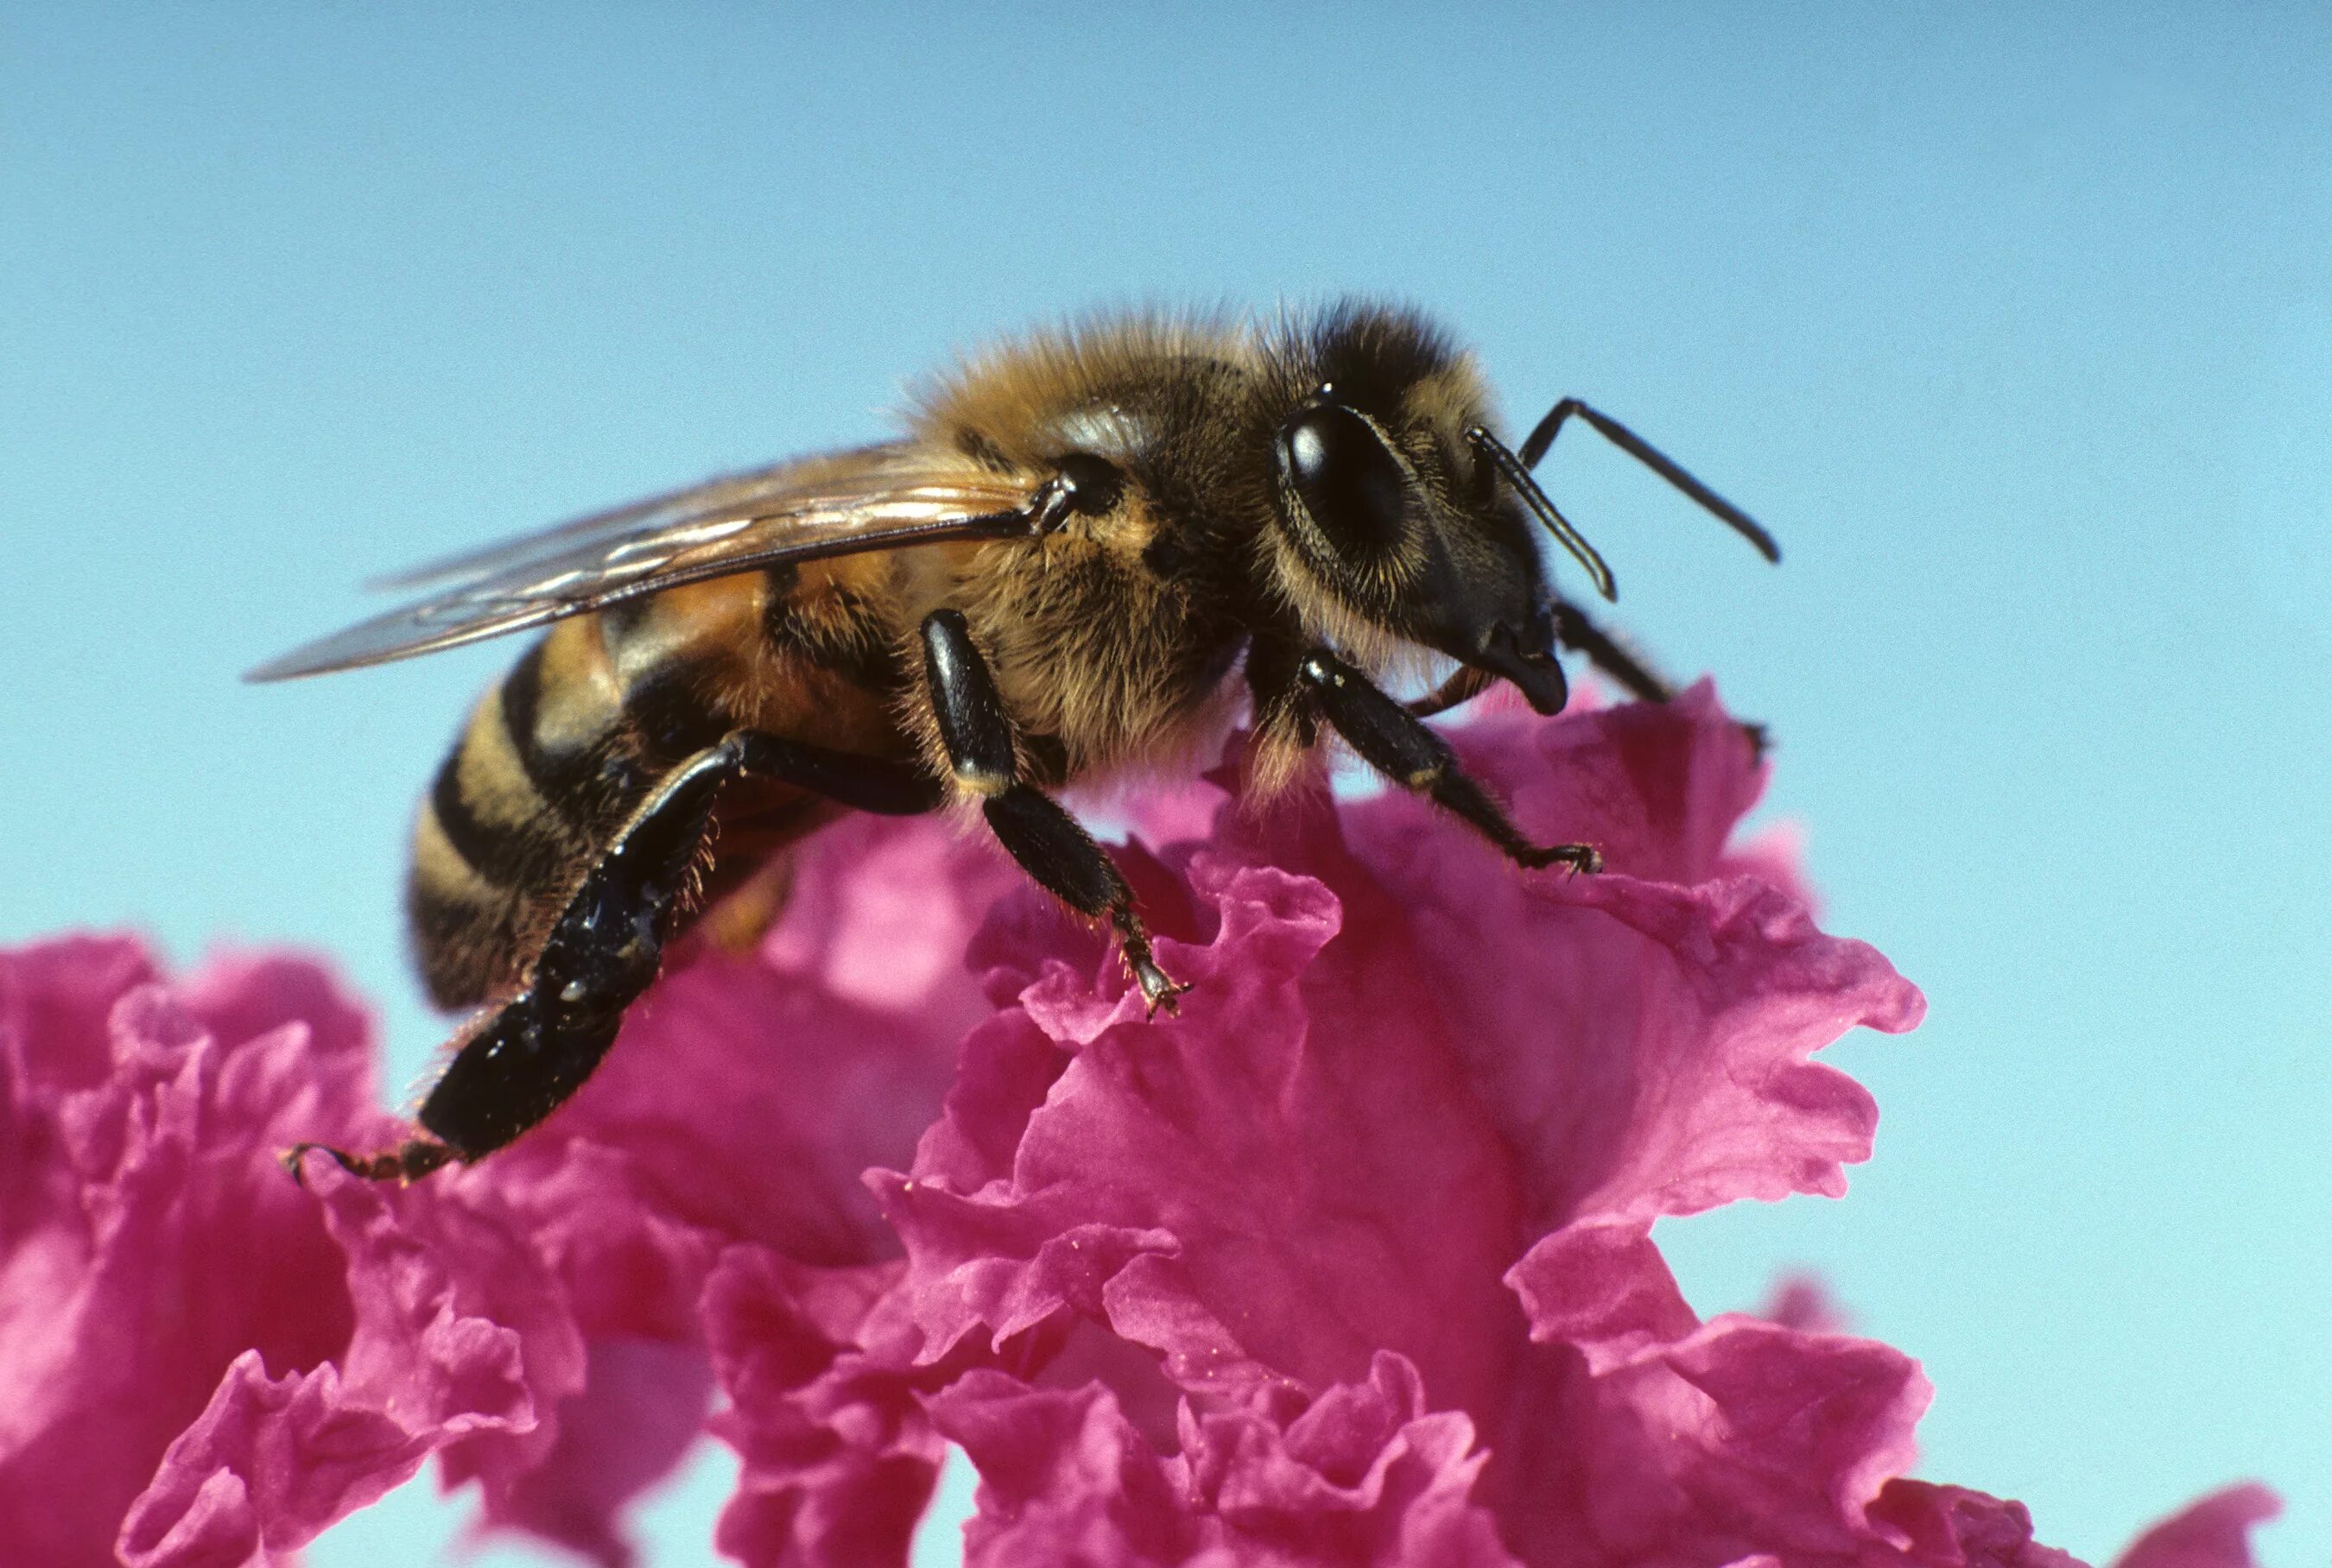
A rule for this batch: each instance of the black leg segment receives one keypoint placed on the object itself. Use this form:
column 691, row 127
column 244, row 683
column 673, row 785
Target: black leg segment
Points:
column 1401, row 747
column 864, row 783
column 969, row 708
column 1574, row 628
column 1032, row 827
column 605, row 949
column 1065, row 862
column 521, row 1061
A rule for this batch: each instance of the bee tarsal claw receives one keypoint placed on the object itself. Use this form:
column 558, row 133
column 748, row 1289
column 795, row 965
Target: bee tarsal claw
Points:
column 408, row 1162
column 1581, row 860
column 1158, row 989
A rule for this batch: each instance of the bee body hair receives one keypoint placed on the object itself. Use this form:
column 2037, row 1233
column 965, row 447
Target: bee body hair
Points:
column 1082, row 552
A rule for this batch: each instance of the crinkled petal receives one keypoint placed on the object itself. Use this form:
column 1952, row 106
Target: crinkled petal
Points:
column 206, row 1362
column 2214, row 1533
column 1954, row 1527
column 459, row 1332
column 1631, row 1443
column 1297, row 1141
column 1338, row 1140
column 148, row 1243
column 1601, row 1287
column 1742, row 1437
column 642, row 1407
column 1064, row 1479
column 1365, row 1475
column 838, row 1458
column 1642, row 1044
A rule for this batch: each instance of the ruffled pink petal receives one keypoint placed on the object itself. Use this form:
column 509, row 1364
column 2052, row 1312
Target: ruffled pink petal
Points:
column 1064, row 1479
column 1742, row 1437
column 2214, row 1533
column 1260, row 1185
column 1364, row 1475
column 55, row 998
column 204, row 1362
column 1349, row 1261
column 459, row 1332
column 642, row 1407
column 838, row 1456
column 1954, row 1527
column 1602, row 1287
column 149, row 1243
column 1643, row 1045
column 1690, row 1442
column 1296, row 1143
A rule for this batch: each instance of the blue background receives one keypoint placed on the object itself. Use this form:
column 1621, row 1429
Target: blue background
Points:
column 2018, row 328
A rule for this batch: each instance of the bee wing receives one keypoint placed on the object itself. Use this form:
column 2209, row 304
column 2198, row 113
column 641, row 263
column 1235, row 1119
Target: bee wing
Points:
column 755, row 487
column 875, row 497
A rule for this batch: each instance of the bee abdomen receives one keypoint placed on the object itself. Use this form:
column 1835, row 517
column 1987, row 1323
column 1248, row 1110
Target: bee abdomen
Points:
column 552, row 763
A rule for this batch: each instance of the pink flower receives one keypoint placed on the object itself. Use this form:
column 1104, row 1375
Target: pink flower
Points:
column 1409, row 1132
column 2209, row 1534
column 202, row 1362
column 1348, row 1262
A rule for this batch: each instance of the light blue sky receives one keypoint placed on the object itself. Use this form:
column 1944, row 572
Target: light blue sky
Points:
column 2017, row 328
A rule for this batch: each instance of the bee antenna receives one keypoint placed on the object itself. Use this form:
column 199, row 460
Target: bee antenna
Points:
column 1517, row 473
column 1651, row 457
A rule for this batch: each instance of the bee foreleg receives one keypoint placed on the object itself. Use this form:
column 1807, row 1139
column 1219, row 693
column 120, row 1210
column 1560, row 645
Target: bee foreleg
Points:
column 1405, row 750
column 1044, row 839
column 524, row 1060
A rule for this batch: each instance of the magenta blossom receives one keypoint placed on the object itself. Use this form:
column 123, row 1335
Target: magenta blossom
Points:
column 1350, row 1262
column 201, row 1361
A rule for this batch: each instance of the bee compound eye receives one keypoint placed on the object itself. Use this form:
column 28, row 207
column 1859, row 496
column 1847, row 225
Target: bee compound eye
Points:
column 1094, row 483
column 1350, row 483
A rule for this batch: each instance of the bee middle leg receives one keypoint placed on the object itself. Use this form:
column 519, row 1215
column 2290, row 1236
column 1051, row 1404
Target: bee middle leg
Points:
column 1405, row 749
column 1577, row 631
column 535, row 1050
column 1044, row 839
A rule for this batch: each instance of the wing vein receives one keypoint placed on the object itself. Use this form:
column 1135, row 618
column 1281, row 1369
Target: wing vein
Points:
column 875, row 497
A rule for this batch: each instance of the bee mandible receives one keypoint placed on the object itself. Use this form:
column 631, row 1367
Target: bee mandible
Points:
column 1083, row 543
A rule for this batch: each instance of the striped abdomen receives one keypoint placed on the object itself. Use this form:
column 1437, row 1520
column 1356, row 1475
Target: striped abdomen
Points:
column 557, row 757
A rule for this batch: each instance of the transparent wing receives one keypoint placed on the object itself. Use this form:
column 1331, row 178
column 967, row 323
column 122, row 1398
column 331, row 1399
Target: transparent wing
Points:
column 757, row 487
column 875, row 497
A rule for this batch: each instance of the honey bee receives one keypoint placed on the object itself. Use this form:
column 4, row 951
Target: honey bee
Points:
column 1081, row 546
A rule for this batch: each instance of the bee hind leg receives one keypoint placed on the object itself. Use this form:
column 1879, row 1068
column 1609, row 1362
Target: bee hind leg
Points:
column 1044, row 839
column 1405, row 750
column 522, row 1061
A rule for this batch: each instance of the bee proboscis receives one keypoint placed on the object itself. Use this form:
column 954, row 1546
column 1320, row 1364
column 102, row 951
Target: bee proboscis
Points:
column 1083, row 542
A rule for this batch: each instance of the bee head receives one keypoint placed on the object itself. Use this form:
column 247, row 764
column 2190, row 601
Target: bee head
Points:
column 1400, row 515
